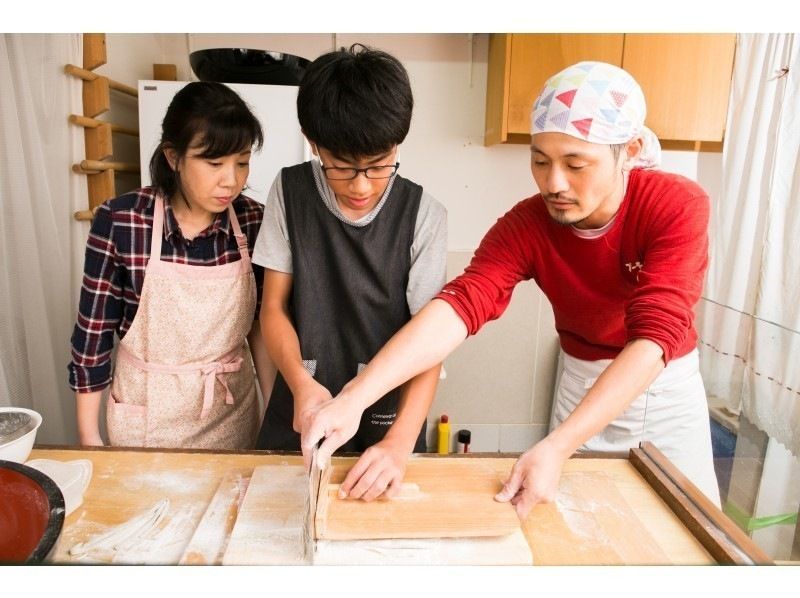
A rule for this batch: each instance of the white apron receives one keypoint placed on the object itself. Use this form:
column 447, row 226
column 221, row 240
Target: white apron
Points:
column 672, row 414
column 183, row 375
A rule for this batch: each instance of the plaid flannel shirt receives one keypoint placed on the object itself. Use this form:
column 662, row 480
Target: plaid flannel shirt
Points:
column 117, row 252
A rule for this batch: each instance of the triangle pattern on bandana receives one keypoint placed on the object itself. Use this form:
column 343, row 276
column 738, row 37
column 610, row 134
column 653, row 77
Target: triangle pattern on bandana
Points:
column 586, row 66
column 577, row 79
column 539, row 124
column 547, row 99
column 554, row 81
column 560, row 120
column 619, row 98
column 583, row 126
column 610, row 115
column 599, row 86
column 567, row 97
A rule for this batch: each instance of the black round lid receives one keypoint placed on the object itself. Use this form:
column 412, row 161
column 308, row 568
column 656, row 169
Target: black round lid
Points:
column 244, row 65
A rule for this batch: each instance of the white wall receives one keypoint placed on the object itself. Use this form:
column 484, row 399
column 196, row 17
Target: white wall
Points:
column 499, row 383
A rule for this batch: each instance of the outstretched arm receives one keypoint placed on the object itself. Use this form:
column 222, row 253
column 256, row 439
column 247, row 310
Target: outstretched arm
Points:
column 418, row 346
column 534, row 477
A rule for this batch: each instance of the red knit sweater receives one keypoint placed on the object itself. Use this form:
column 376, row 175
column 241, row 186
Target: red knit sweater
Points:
column 641, row 279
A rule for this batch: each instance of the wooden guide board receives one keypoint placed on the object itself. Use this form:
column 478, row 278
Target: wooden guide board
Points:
column 438, row 500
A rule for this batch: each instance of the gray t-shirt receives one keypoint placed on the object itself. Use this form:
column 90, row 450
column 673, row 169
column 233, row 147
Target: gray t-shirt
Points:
column 428, row 250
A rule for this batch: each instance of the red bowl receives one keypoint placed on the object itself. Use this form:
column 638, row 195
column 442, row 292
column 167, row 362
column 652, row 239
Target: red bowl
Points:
column 31, row 513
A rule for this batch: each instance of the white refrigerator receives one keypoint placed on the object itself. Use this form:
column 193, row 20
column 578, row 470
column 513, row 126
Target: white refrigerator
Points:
column 273, row 105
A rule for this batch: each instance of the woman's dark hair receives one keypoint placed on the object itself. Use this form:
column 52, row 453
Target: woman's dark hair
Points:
column 206, row 115
column 355, row 102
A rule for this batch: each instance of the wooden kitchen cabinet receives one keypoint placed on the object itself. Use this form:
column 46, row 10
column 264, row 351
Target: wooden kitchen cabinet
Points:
column 685, row 78
column 686, row 81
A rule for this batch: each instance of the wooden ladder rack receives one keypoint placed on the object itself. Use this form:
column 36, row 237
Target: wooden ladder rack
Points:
column 99, row 165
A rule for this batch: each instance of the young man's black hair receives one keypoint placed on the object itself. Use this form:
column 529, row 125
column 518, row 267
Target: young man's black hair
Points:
column 355, row 102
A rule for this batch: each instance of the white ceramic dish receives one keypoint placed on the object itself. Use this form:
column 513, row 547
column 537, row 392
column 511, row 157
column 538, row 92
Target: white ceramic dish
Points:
column 18, row 450
column 72, row 478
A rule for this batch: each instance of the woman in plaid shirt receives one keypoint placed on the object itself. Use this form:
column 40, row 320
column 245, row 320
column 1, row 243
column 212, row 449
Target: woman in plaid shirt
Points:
column 182, row 301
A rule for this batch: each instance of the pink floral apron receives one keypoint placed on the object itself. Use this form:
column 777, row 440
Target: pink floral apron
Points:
column 184, row 375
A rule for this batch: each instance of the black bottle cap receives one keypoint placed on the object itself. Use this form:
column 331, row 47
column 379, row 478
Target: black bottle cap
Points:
column 464, row 436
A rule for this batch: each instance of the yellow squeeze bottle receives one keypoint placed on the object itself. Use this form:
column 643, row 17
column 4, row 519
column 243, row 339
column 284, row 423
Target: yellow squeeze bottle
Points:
column 444, row 435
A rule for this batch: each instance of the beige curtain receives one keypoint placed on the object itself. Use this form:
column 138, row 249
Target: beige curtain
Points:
column 38, row 193
column 749, row 318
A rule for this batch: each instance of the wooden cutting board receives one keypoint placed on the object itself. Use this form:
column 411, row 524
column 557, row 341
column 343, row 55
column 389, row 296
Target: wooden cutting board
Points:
column 438, row 500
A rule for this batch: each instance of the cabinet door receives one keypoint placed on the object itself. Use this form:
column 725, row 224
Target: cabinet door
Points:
column 520, row 63
column 686, row 79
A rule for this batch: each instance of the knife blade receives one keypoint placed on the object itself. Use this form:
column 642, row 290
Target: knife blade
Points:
column 314, row 484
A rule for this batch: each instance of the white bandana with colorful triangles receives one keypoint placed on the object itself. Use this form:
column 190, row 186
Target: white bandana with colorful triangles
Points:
column 595, row 102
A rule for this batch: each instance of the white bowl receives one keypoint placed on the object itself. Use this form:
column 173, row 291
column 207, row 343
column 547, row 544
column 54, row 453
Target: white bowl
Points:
column 18, row 450
column 71, row 477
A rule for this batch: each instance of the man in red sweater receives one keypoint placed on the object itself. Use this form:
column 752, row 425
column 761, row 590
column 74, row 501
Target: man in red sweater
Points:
column 620, row 250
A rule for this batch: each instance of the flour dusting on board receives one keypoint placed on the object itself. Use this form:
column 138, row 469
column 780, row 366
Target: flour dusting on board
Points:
column 177, row 482
column 153, row 537
column 579, row 512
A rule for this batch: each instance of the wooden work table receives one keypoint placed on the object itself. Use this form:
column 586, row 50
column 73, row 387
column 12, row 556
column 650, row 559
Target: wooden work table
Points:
column 606, row 512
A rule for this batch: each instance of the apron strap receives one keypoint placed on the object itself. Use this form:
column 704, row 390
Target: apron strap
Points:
column 157, row 234
column 231, row 362
column 241, row 239
column 158, row 225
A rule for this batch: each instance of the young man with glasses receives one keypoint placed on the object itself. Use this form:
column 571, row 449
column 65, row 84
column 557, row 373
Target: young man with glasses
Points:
column 351, row 251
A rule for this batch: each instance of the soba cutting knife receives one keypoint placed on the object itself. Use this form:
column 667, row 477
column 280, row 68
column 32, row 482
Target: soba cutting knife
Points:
column 314, row 484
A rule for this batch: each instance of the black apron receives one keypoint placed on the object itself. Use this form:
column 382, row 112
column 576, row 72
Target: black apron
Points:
column 348, row 299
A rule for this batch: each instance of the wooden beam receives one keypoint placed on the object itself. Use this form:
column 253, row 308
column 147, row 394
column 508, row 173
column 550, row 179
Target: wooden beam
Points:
column 85, row 121
column 101, row 188
column 714, row 530
column 165, row 72
column 98, row 142
column 94, row 50
column 119, row 166
column 84, row 214
column 96, row 98
column 80, row 73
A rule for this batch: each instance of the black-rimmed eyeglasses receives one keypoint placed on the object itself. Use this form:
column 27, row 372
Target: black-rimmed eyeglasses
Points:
column 336, row 173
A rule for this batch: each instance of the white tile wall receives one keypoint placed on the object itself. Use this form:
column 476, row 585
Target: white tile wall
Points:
column 515, row 438
column 505, row 373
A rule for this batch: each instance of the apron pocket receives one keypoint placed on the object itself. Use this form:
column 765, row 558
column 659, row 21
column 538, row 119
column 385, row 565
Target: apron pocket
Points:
column 126, row 424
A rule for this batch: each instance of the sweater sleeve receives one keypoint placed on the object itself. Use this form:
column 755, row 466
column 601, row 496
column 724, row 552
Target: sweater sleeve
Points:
column 503, row 259
column 675, row 240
